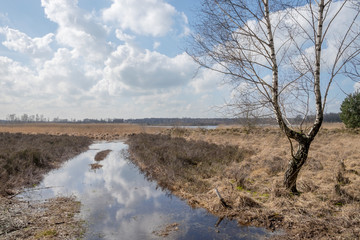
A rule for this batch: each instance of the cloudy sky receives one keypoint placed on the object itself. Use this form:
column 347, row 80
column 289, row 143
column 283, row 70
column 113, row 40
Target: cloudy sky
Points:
column 101, row 59
column 105, row 59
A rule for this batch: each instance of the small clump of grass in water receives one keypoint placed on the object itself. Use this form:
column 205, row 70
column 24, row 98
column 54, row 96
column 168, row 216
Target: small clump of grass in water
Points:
column 101, row 155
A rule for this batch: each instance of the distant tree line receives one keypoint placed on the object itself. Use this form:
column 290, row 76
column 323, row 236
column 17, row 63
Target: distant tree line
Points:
column 26, row 118
column 40, row 118
column 37, row 118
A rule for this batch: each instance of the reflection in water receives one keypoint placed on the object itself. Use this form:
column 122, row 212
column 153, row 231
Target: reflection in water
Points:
column 119, row 203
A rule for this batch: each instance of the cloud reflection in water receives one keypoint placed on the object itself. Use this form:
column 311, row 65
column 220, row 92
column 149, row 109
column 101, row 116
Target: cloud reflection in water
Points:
column 118, row 202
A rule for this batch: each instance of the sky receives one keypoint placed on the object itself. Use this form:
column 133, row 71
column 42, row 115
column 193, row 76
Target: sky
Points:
column 80, row 59
column 102, row 59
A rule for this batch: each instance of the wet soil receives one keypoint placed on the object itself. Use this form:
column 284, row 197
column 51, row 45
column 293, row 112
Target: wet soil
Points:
column 24, row 159
column 52, row 219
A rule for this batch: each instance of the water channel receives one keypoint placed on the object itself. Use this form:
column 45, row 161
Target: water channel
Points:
column 119, row 203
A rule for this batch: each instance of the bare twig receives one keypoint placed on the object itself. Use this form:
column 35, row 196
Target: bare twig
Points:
column 221, row 199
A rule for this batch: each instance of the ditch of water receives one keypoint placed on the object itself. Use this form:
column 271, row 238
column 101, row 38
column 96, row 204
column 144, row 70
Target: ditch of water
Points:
column 118, row 202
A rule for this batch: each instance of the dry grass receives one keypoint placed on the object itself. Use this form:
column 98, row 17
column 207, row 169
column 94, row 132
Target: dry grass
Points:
column 328, row 207
column 198, row 161
column 25, row 158
column 95, row 131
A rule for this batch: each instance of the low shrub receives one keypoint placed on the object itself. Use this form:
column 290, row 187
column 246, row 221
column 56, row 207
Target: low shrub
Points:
column 25, row 158
column 170, row 160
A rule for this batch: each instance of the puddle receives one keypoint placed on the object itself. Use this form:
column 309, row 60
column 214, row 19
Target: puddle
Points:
column 118, row 202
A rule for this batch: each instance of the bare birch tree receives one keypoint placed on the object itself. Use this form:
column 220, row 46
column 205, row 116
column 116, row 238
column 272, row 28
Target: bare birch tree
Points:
column 282, row 56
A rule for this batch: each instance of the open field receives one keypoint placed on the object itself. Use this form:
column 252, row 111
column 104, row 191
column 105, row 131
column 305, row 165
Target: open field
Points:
column 250, row 181
column 97, row 131
column 246, row 165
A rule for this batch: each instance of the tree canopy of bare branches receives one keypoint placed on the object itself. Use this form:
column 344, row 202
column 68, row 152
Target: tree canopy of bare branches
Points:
column 282, row 58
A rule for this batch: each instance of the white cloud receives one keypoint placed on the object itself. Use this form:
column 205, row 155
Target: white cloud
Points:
column 143, row 71
column 65, row 75
column 206, row 80
column 168, row 99
column 145, row 17
column 357, row 86
column 78, row 29
column 332, row 40
column 123, row 36
column 34, row 47
column 156, row 45
column 78, row 72
column 295, row 50
column 292, row 33
column 16, row 81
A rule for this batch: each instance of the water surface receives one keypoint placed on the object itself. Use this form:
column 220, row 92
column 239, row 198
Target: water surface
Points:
column 119, row 203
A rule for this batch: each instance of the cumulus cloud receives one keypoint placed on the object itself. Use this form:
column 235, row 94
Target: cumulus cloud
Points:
column 19, row 41
column 207, row 80
column 156, row 45
column 123, row 36
column 130, row 68
column 145, row 17
column 64, row 74
column 333, row 40
column 78, row 29
column 16, row 80
column 294, row 33
column 81, row 64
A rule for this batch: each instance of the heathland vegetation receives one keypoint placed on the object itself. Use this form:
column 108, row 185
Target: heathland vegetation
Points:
column 245, row 165
column 24, row 159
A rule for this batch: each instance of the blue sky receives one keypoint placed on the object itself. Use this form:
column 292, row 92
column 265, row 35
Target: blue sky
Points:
column 101, row 59
column 106, row 59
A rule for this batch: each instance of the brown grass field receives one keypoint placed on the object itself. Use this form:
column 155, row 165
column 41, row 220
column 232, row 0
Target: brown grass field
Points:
column 247, row 167
column 327, row 208
column 95, row 131
column 25, row 158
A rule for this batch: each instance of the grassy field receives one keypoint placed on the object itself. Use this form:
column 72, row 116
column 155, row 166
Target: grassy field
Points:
column 96, row 131
column 246, row 165
column 249, row 171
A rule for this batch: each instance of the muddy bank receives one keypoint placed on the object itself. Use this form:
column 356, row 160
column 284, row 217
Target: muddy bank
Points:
column 24, row 159
column 247, row 169
column 53, row 219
